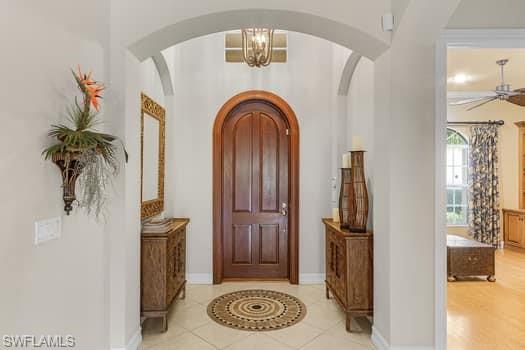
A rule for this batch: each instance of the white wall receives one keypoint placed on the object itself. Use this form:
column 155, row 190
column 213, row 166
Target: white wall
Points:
column 63, row 286
column 360, row 111
column 488, row 14
column 382, row 167
column 203, row 83
column 140, row 77
column 57, row 287
column 404, row 229
column 149, row 82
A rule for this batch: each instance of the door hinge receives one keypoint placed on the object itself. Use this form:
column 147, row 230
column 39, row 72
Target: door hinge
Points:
column 287, row 132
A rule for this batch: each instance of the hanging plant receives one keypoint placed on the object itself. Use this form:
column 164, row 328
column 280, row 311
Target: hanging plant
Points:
column 84, row 153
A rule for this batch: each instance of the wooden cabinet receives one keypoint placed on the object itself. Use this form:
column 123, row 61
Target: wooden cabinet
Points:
column 349, row 270
column 521, row 153
column 467, row 257
column 163, row 270
column 514, row 227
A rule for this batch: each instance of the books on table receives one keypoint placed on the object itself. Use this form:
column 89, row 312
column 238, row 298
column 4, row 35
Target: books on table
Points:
column 157, row 226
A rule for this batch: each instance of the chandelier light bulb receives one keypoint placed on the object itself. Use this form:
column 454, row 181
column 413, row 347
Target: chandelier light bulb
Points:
column 257, row 46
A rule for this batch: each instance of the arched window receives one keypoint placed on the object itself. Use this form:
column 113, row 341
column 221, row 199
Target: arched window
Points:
column 457, row 178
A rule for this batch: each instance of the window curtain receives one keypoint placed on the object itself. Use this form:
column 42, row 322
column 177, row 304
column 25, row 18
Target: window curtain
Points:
column 484, row 184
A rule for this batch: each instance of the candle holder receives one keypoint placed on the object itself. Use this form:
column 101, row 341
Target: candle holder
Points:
column 353, row 198
column 344, row 194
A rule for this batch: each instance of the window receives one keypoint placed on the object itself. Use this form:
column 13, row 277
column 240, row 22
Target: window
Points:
column 457, row 178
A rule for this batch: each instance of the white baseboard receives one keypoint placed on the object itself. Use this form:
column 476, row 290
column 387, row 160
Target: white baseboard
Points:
column 134, row 342
column 200, row 278
column 311, row 278
column 380, row 343
column 378, row 340
column 304, row 278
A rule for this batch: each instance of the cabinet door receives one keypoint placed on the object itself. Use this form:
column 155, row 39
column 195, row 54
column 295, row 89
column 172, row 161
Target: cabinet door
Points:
column 330, row 261
column 522, row 167
column 514, row 228
column 340, row 268
column 172, row 261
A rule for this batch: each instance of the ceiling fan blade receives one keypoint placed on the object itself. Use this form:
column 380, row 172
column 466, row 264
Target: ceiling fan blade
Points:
column 518, row 99
column 470, row 100
column 481, row 104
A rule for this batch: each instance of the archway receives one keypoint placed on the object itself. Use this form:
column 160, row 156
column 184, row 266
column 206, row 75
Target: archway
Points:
column 340, row 33
column 143, row 31
column 293, row 175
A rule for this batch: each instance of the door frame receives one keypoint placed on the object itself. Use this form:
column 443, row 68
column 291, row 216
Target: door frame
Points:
column 450, row 38
column 293, row 210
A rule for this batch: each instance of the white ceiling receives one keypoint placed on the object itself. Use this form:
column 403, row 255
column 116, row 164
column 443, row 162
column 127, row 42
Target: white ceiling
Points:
column 480, row 65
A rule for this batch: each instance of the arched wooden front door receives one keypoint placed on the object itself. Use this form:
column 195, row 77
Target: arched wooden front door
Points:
column 255, row 189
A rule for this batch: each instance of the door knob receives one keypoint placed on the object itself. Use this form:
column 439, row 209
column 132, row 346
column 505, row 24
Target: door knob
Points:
column 284, row 209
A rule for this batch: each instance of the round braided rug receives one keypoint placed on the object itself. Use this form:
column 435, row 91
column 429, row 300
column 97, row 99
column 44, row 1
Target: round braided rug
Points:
column 256, row 310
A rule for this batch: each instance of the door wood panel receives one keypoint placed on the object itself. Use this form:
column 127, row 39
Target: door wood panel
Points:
column 269, row 164
column 269, row 244
column 255, row 186
column 242, row 244
column 241, row 162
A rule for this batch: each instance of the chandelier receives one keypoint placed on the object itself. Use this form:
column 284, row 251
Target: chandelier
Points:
column 257, row 46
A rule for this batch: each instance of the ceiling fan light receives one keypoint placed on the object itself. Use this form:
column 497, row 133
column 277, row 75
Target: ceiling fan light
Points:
column 461, row 78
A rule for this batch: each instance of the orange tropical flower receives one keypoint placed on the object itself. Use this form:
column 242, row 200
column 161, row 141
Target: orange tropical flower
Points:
column 93, row 93
column 85, row 79
column 92, row 90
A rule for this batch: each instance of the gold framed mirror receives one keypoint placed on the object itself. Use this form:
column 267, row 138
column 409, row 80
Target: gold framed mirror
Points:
column 152, row 141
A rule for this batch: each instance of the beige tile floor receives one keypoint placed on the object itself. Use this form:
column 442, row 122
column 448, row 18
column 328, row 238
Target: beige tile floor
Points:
column 190, row 328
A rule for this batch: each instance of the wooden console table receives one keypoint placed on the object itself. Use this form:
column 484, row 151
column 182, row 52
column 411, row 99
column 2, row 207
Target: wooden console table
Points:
column 163, row 270
column 349, row 270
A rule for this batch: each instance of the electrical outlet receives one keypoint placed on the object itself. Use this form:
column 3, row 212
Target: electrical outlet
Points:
column 48, row 229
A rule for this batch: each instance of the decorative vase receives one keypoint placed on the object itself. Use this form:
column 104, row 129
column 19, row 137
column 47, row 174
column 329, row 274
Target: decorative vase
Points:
column 344, row 194
column 358, row 195
column 70, row 168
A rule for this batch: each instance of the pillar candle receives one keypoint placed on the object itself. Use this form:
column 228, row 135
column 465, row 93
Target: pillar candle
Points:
column 357, row 143
column 335, row 214
column 346, row 160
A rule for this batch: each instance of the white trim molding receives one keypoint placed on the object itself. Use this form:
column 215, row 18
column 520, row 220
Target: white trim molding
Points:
column 380, row 343
column 440, row 221
column 484, row 38
column 164, row 73
column 200, row 278
column 134, row 342
column 311, row 278
column 378, row 340
column 348, row 73
column 304, row 278
column 464, row 38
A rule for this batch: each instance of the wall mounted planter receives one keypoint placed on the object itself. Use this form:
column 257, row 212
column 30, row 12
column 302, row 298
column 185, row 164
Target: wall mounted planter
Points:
column 71, row 168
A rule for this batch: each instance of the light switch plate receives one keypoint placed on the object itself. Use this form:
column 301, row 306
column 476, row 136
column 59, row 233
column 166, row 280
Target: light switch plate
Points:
column 48, row 229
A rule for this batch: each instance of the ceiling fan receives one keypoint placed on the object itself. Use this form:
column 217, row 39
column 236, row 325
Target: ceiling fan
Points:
column 502, row 92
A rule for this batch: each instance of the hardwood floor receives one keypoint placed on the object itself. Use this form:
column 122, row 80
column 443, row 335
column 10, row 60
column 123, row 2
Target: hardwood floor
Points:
column 484, row 315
